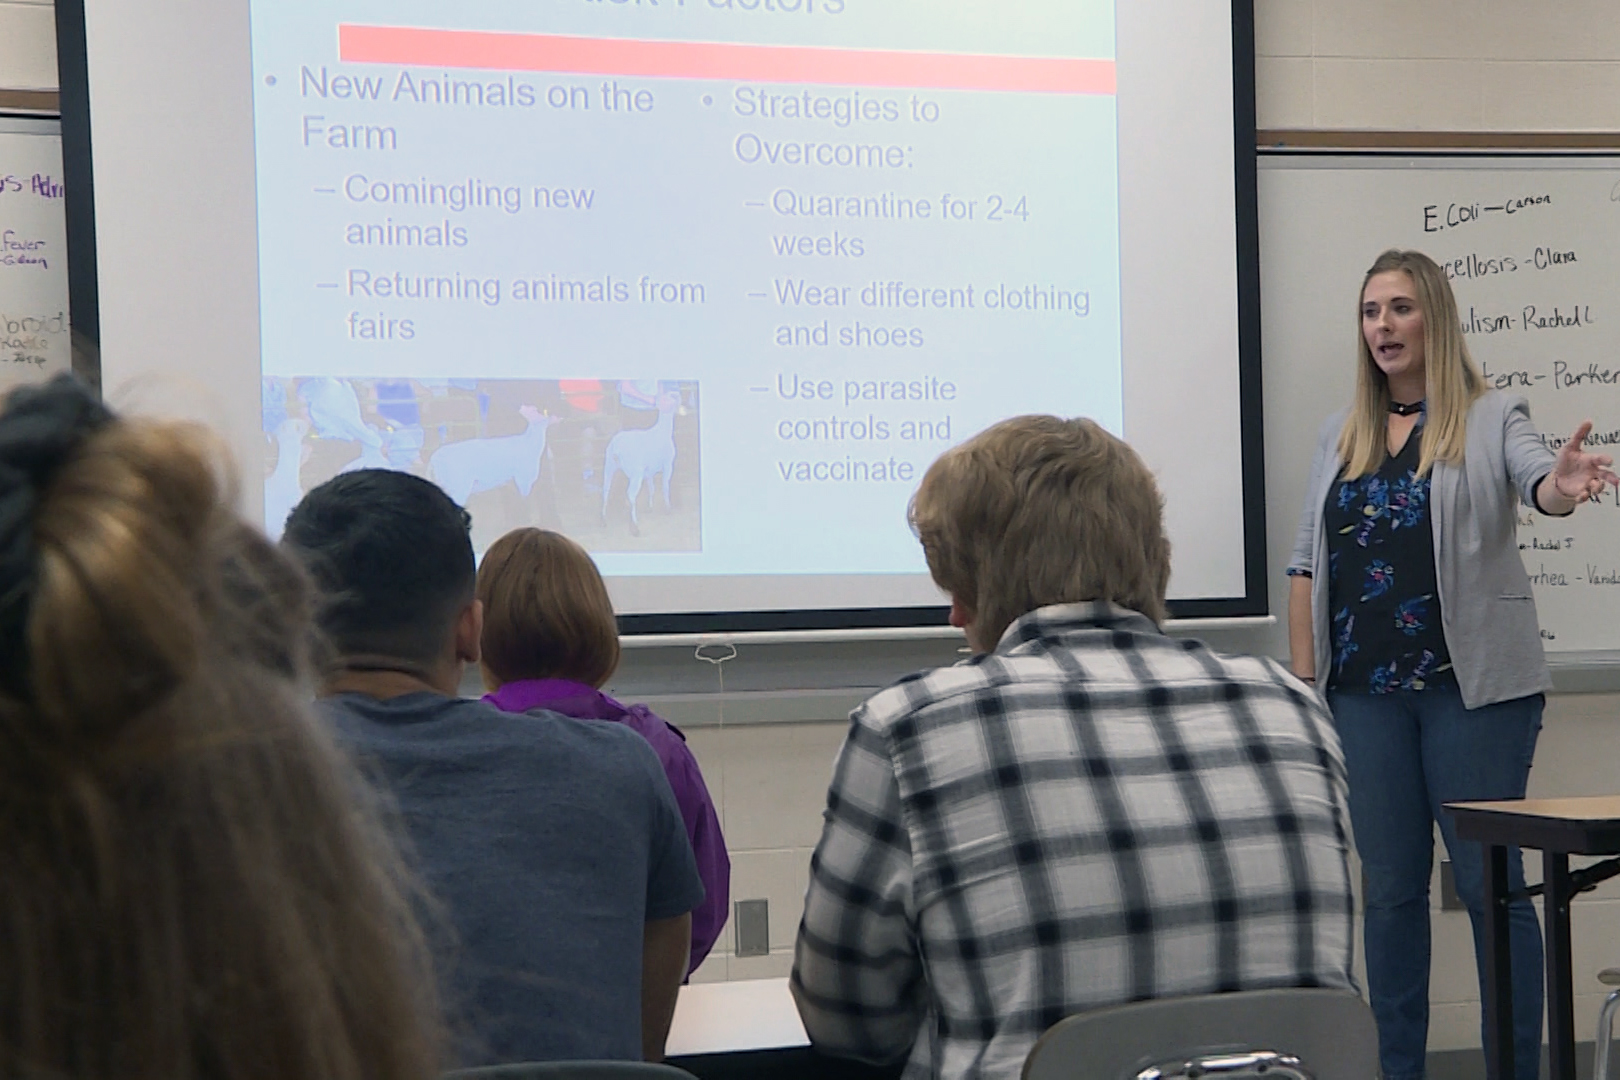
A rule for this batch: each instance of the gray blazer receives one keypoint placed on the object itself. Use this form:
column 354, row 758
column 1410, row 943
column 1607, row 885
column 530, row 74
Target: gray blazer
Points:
column 1486, row 609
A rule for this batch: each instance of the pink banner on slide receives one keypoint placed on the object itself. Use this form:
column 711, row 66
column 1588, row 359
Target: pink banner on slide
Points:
column 713, row 60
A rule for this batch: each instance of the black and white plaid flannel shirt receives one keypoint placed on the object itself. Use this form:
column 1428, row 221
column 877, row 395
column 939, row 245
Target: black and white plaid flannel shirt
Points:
column 1094, row 813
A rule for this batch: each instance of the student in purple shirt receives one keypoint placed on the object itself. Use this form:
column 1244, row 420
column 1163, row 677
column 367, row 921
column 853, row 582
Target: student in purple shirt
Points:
column 550, row 642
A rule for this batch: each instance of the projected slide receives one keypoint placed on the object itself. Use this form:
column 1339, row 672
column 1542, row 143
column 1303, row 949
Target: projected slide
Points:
column 705, row 284
column 592, row 458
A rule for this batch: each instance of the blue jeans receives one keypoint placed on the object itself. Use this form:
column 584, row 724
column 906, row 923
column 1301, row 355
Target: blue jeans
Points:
column 1407, row 754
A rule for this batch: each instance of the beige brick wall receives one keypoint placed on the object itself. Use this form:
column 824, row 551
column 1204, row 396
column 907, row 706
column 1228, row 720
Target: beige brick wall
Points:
column 27, row 45
column 1438, row 65
column 769, row 782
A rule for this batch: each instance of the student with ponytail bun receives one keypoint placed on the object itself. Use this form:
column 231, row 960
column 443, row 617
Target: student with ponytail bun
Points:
column 191, row 888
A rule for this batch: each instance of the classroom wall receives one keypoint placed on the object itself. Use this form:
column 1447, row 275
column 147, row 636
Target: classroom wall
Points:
column 766, row 726
column 1437, row 65
column 27, row 45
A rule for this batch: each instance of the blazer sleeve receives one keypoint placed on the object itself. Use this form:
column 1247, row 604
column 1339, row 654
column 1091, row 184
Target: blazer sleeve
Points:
column 1527, row 458
column 1303, row 559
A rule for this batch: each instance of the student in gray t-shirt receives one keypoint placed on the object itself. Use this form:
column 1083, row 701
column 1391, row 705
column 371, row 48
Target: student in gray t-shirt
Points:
column 555, row 845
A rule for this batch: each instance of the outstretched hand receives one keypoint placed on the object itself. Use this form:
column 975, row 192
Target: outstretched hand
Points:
column 1579, row 475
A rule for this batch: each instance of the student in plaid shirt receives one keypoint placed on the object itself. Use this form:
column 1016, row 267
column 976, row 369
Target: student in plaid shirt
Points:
column 1086, row 813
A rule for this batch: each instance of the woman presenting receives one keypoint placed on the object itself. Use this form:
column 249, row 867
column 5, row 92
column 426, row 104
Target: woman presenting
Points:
column 1410, row 607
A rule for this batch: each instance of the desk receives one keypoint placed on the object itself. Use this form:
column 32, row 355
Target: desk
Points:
column 728, row 1017
column 750, row 1029
column 1559, row 828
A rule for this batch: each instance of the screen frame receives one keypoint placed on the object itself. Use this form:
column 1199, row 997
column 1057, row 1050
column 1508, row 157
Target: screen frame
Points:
column 85, row 313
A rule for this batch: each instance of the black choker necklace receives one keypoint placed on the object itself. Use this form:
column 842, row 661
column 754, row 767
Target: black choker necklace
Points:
column 1400, row 409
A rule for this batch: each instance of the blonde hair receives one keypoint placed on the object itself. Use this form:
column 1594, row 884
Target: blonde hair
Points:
column 1452, row 382
column 547, row 614
column 191, row 888
column 1038, row 510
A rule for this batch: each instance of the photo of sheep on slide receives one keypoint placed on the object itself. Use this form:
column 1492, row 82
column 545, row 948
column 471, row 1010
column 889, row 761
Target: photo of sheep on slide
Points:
column 612, row 463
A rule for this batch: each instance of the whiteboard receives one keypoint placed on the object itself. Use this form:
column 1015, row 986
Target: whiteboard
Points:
column 34, row 332
column 1532, row 247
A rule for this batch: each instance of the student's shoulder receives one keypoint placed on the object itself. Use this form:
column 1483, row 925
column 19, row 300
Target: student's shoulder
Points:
column 441, row 718
column 931, row 691
column 1194, row 656
column 588, row 735
column 1267, row 687
column 406, row 712
column 602, row 750
column 586, row 755
column 549, row 732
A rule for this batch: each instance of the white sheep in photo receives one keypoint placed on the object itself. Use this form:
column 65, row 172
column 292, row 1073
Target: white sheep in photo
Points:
column 642, row 455
column 473, row 465
column 334, row 409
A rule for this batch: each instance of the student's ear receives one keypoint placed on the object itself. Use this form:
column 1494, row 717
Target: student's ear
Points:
column 470, row 632
column 962, row 618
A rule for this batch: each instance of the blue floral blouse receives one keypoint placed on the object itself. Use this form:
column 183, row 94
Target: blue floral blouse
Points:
column 1382, row 594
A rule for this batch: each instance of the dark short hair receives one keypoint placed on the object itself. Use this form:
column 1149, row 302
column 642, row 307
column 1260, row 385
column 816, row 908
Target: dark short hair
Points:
column 393, row 557
column 547, row 614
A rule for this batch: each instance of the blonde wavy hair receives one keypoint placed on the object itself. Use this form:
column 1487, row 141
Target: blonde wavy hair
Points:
column 193, row 886
column 1036, row 511
column 1452, row 382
